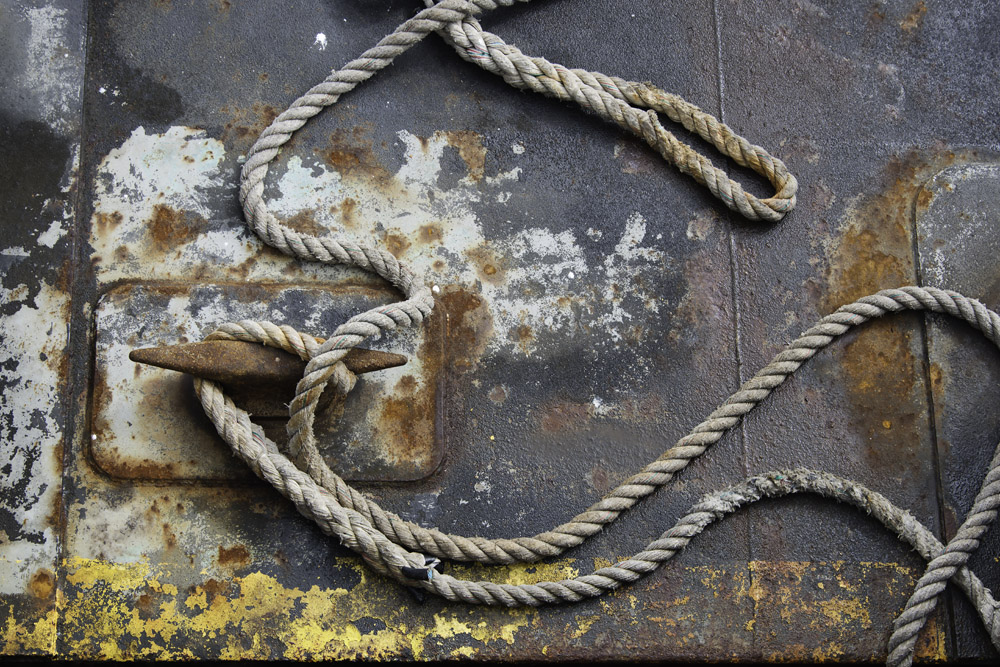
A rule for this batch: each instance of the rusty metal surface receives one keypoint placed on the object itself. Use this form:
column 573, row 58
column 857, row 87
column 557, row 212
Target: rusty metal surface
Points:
column 146, row 423
column 594, row 306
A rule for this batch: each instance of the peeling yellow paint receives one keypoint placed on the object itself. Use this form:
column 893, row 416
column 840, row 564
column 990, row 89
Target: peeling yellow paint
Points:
column 583, row 625
column 119, row 576
column 124, row 611
column 846, row 611
column 779, row 586
column 39, row 637
column 105, row 618
column 521, row 573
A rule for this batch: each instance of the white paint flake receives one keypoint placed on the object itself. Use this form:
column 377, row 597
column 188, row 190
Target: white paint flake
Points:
column 51, row 236
column 320, row 41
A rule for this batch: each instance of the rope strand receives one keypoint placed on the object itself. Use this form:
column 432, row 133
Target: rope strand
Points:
column 407, row 552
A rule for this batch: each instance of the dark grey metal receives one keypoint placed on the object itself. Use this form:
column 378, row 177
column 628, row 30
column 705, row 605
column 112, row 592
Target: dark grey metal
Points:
column 537, row 405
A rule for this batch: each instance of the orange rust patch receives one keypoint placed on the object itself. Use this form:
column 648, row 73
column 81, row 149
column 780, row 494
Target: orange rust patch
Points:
column 397, row 244
column 54, row 517
column 489, row 268
column 431, row 234
column 407, row 384
column 469, row 325
column 42, row 584
column 407, row 419
column 159, row 395
column 350, row 153
column 525, row 337
column 874, row 252
column 236, row 556
column 169, row 228
column 470, row 148
column 169, row 537
column 113, row 463
column 348, row 209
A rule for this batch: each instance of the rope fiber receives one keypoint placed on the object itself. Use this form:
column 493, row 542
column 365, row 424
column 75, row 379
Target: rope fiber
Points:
column 410, row 553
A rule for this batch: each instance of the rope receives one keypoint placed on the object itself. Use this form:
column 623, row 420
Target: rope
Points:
column 408, row 552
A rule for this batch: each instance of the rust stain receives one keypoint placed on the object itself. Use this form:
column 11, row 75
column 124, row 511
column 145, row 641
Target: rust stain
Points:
column 113, row 462
column 470, row 149
column 565, row 415
column 915, row 18
column 170, row 228
column 350, row 153
column 525, row 337
column 169, row 394
column 397, row 244
column 305, row 221
column 489, row 267
column 348, row 210
column 406, row 419
column 235, row 556
column 874, row 251
column 42, row 584
column 105, row 222
column 245, row 125
column 469, row 325
column 169, row 537
column 430, row 234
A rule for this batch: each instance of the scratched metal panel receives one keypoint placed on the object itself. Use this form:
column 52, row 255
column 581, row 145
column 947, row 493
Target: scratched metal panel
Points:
column 595, row 305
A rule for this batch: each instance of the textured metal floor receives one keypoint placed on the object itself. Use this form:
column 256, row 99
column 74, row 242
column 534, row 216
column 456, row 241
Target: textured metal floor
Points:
column 596, row 304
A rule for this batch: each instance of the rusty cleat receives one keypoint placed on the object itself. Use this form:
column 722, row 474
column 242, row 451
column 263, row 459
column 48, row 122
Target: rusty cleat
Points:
column 259, row 376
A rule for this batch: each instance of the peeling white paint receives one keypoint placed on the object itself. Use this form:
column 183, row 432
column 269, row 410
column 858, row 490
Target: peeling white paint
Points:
column 51, row 236
column 34, row 340
column 547, row 282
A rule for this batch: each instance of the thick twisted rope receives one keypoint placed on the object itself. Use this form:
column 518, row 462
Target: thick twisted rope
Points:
column 408, row 552
column 388, row 556
column 943, row 567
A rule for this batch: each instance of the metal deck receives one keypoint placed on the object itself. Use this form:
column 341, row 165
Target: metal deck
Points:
column 595, row 305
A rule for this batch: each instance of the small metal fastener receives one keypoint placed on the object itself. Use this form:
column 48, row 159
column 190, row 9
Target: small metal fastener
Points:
column 264, row 377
